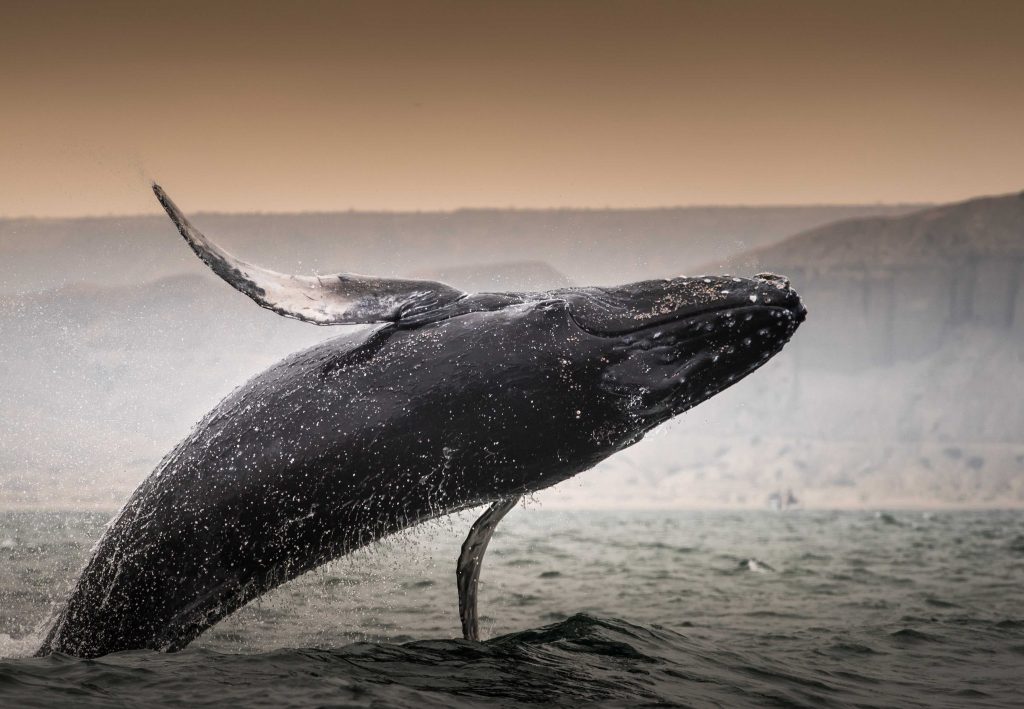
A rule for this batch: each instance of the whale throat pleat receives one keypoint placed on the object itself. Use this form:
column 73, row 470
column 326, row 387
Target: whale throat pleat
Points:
column 337, row 299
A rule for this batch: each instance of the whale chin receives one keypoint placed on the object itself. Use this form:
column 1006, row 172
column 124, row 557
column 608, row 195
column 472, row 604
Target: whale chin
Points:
column 671, row 367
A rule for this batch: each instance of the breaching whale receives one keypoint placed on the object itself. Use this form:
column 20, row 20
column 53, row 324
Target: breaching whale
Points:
column 451, row 401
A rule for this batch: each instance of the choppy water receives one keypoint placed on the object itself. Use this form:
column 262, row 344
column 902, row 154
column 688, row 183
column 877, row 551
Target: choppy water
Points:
column 627, row 609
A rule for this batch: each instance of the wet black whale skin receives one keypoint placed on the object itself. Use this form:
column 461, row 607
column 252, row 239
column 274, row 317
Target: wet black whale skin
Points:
column 351, row 440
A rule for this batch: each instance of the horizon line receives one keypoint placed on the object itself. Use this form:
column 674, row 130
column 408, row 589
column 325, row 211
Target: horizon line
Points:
column 508, row 208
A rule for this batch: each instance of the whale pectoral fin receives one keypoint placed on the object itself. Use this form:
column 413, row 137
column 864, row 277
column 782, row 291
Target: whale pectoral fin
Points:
column 337, row 299
column 467, row 571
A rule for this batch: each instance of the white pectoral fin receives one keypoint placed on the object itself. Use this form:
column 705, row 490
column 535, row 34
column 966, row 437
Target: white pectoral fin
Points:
column 337, row 299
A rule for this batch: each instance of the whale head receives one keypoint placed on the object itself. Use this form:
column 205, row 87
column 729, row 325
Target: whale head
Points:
column 670, row 344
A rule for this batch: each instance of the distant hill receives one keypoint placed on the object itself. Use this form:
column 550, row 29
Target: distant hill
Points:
column 896, row 288
column 955, row 235
column 900, row 389
column 587, row 245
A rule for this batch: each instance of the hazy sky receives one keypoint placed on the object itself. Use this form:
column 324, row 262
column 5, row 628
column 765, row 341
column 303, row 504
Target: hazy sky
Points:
column 278, row 106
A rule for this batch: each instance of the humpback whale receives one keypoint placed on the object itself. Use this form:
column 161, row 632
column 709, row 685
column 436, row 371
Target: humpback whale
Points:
column 452, row 400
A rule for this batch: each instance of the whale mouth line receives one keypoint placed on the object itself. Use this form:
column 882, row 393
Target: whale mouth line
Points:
column 673, row 326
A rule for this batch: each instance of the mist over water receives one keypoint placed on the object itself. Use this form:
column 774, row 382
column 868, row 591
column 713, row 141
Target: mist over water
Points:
column 893, row 394
column 678, row 608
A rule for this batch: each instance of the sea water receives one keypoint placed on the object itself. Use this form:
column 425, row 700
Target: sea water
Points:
column 679, row 608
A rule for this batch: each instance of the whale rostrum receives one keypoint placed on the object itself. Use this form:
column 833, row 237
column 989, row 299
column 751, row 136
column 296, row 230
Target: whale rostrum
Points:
column 451, row 401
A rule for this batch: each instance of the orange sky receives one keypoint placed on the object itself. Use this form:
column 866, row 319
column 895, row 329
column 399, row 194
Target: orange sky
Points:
column 278, row 106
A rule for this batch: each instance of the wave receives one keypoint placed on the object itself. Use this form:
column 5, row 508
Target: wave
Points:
column 582, row 660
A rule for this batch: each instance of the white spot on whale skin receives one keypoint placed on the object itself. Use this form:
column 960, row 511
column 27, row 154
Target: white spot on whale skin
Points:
column 753, row 298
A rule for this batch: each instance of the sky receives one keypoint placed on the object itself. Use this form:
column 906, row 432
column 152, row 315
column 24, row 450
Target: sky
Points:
column 271, row 106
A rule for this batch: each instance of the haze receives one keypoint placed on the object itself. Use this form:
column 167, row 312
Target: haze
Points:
column 877, row 148
column 268, row 106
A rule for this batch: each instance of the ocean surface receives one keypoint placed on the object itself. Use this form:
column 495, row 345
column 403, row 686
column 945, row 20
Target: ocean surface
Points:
column 730, row 609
